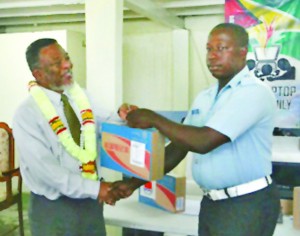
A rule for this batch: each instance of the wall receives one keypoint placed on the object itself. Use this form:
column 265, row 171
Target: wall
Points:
column 148, row 61
column 147, row 65
column 75, row 46
column 199, row 27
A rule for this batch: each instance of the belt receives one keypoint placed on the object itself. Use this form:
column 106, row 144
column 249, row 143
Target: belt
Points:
column 239, row 190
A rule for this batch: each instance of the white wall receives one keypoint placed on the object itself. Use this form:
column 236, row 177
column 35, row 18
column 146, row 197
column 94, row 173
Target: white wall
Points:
column 162, row 56
column 199, row 27
column 147, row 65
column 148, row 61
column 75, row 46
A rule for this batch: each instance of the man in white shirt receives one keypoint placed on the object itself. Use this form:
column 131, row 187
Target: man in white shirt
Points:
column 58, row 166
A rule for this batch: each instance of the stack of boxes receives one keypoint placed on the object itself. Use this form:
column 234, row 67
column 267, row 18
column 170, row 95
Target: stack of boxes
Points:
column 140, row 153
column 167, row 193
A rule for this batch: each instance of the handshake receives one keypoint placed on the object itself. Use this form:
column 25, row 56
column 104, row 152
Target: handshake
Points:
column 110, row 192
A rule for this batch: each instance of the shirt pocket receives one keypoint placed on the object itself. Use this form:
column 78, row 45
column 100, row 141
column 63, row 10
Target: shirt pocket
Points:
column 196, row 117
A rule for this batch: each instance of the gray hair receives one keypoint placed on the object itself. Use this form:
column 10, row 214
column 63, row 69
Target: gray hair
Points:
column 33, row 50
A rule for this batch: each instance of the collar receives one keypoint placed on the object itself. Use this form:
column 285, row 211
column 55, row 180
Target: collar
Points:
column 236, row 80
column 54, row 97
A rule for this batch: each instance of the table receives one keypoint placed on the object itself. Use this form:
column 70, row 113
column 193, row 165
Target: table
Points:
column 130, row 213
column 286, row 229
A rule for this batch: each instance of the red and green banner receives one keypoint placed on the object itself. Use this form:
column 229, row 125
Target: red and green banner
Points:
column 274, row 51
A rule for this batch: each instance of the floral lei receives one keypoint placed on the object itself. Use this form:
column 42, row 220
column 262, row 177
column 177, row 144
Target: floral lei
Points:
column 86, row 155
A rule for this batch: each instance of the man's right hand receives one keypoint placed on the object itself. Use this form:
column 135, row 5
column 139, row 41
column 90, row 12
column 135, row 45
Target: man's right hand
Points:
column 110, row 192
column 105, row 194
column 124, row 188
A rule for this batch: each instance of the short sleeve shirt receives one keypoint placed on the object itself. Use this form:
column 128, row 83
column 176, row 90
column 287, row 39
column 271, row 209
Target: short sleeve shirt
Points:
column 244, row 110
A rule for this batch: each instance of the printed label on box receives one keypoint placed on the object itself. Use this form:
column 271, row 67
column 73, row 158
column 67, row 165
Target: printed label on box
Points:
column 149, row 190
column 180, row 204
column 167, row 193
column 137, row 154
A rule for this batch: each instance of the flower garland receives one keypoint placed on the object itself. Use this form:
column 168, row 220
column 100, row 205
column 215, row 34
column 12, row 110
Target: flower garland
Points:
column 86, row 155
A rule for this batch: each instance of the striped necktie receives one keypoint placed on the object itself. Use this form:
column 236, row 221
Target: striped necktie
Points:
column 73, row 122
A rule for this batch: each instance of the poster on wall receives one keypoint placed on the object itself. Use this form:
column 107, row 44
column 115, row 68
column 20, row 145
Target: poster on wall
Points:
column 274, row 52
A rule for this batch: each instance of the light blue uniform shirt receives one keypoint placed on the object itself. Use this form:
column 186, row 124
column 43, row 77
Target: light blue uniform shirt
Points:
column 244, row 110
column 47, row 168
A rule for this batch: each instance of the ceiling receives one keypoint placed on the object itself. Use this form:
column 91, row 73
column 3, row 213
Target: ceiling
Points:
column 38, row 12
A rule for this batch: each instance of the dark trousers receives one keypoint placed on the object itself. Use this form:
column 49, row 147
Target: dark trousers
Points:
column 253, row 214
column 65, row 217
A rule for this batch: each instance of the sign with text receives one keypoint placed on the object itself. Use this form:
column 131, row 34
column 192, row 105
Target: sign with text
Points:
column 274, row 52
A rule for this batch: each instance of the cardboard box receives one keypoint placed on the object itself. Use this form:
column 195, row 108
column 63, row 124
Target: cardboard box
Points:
column 286, row 206
column 167, row 193
column 134, row 152
column 296, row 207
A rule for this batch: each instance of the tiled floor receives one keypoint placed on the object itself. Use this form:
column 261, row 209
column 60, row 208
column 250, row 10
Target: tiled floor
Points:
column 9, row 220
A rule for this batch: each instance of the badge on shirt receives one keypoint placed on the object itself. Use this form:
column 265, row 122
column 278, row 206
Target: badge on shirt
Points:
column 195, row 112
